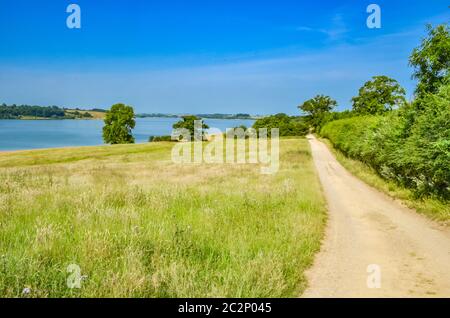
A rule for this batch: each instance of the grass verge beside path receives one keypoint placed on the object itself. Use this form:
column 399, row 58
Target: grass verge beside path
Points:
column 138, row 225
column 433, row 208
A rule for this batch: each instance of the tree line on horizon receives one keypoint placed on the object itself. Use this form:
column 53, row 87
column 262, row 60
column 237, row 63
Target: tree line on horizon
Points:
column 44, row 112
column 18, row 111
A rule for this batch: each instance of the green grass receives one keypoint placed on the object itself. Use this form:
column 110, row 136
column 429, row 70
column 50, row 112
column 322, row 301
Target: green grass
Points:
column 140, row 226
column 433, row 208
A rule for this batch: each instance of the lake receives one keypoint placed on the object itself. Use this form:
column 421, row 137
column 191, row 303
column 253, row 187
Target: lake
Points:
column 35, row 134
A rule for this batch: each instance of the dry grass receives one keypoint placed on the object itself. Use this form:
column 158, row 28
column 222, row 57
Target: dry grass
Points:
column 94, row 114
column 140, row 226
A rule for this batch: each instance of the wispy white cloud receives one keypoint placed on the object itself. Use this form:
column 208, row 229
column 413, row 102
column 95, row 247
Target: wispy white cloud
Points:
column 263, row 85
column 335, row 31
column 257, row 86
column 307, row 29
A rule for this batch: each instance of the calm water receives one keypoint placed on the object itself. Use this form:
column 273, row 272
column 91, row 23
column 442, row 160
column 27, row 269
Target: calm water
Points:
column 34, row 134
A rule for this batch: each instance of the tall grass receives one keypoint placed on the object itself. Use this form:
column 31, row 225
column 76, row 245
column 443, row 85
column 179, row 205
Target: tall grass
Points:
column 138, row 225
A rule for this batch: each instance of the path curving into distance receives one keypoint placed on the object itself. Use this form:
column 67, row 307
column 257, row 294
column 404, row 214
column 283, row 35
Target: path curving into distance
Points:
column 372, row 240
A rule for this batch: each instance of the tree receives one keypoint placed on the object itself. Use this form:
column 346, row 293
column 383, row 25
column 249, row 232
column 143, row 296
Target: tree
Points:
column 288, row 126
column 317, row 107
column 119, row 121
column 379, row 95
column 188, row 122
column 431, row 60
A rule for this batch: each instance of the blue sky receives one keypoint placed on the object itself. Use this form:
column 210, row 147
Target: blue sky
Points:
column 256, row 57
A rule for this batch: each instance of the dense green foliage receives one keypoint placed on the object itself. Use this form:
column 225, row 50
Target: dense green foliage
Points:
column 327, row 117
column 316, row 108
column 287, row 125
column 17, row 112
column 431, row 60
column 188, row 122
column 378, row 96
column 159, row 138
column 409, row 146
column 119, row 122
column 44, row 112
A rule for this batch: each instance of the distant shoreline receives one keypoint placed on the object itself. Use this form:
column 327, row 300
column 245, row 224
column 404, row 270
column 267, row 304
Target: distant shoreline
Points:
column 49, row 118
column 137, row 116
column 203, row 116
column 28, row 134
column 27, row 112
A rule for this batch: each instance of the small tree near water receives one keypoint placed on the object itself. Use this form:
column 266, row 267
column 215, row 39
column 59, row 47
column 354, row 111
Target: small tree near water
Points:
column 188, row 122
column 316, row 108
column 119, row 121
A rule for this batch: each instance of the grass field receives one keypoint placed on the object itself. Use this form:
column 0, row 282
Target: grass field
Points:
column 433, row 208
column 138, row 225
column 94, row 114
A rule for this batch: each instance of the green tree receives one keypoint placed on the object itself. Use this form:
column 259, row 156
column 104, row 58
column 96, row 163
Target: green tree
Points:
column 431, row 60
column 288, row 126
column 119, row 121
column 317, row 107
column 378, row 96
column 187, row 122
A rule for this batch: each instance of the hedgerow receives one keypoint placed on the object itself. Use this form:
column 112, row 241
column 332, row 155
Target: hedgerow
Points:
column 410, row 145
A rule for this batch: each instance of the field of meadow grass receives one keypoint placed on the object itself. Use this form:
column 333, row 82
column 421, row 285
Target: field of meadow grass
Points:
column 138, row 225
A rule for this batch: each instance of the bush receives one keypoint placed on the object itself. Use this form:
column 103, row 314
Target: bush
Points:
column 159, row 138
column 411, row 145
column 329, row 117
column 87, row 115
column 288, row 126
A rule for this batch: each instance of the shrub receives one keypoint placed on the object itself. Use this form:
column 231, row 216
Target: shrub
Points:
column 330, row 116
column 287, row 125
column 411, row 145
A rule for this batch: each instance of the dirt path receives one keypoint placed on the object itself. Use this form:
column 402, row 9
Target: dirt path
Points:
column 367, row 231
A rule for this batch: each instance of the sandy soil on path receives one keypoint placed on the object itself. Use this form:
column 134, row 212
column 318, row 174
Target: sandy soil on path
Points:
column 374, row 246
